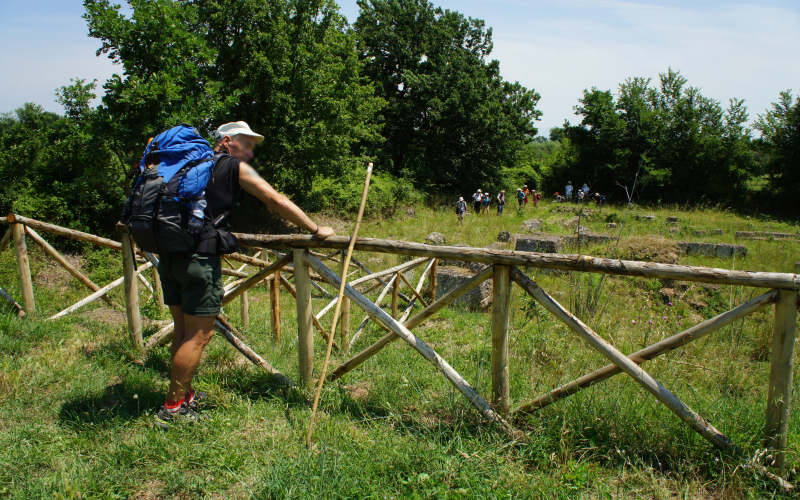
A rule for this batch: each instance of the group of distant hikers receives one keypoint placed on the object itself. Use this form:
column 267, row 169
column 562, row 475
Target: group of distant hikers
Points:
column 481, row 201
column 581, row 196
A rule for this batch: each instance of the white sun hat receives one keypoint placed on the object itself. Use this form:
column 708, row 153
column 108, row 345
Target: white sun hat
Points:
column 232, row 129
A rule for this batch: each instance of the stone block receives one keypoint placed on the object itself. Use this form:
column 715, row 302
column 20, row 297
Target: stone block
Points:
column 435, row 239
column 545, row 243
column 721, row 250
column 532, row 225
column 449, row 278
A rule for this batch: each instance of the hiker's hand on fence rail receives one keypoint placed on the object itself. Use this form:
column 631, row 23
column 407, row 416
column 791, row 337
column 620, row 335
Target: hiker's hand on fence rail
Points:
column 323, row 232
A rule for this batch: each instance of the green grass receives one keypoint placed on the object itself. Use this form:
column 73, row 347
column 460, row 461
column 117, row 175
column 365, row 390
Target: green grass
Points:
column 76, row 413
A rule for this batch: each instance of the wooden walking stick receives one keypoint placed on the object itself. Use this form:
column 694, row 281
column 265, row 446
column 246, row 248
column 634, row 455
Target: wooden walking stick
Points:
column 342, row 285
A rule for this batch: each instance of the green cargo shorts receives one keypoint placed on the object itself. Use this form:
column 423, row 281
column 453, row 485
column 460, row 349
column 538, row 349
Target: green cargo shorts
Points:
column 192, row 281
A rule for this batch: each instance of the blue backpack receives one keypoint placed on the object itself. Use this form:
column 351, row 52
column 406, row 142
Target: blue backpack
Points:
column 165, row 211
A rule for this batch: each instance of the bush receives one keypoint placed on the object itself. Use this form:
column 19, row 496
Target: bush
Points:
column 342, row 196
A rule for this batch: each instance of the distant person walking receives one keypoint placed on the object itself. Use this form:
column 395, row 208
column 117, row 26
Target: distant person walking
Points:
column 501, row 202
column 461, row 209
column 599, row 199
column 535, row 196
column 568, row 191
column 585, row 190
column 487, row 199
column 477, row 201
column 527, row 193
column 520, row 197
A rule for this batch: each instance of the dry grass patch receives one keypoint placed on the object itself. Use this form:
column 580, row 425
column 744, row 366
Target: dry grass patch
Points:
column 650, row 249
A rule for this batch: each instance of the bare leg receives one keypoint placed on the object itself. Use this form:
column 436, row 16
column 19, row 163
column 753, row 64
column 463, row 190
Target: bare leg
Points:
column 179, row 329
column 198, row 331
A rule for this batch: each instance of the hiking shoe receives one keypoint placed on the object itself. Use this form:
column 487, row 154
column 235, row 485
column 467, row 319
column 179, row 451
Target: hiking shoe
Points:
column 165, row 418
column 200, row 397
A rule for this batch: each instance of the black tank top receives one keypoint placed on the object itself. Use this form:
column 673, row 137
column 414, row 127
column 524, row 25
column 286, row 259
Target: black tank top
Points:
column 222, row 192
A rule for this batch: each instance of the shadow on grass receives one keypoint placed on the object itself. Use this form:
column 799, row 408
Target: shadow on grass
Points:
column 259, row 385
column 124, row 400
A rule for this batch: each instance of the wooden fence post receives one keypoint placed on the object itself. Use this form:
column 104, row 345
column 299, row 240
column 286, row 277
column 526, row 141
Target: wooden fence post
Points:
column 131, row 291
column 779, row 400
column 396, row 297
column 305, row 332
column 158, row 292
column 275, row 305
column 344, row 319
column 500, row 309
column 245, row 306
column 23, row 268
column 434, row 270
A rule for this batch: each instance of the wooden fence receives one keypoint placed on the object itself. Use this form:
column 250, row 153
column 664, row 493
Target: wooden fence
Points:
column 279, row 255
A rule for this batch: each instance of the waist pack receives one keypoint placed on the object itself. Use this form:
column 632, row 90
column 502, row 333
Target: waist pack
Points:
column 166, row 209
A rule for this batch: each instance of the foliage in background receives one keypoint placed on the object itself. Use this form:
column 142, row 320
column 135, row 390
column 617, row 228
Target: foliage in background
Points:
column 287, row 67
column 58, row 168
column 780, row 145
column 678, row 145
column 451, row 121
column 409, row 85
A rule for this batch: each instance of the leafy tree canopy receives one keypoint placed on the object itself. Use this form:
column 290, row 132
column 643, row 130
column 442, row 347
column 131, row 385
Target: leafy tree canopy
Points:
column 451, row 121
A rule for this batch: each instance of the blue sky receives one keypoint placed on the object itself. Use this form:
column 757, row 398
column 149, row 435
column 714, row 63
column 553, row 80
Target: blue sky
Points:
column 744, row 49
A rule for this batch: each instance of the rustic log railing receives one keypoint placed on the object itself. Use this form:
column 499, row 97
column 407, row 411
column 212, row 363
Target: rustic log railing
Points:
column 294, row 255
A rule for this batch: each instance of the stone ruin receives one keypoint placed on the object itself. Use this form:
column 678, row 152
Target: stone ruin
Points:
column 451, row 277
column 722, row 250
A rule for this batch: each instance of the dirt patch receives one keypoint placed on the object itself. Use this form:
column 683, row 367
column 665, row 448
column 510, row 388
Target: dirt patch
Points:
column 359, row 391
column 151, row 490
column 650, row 249
column 55, row 277
column 106, row 315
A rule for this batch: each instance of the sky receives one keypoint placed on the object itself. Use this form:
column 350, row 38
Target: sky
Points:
column 743, row 49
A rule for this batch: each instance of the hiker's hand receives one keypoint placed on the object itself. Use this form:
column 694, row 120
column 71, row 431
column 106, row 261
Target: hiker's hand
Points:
column 324, row 232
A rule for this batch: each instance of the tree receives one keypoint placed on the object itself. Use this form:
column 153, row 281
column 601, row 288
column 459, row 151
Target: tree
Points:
column 76, row 98
column 56, row 168
column 287, row 67
column 780, row 144
column 451, row 120
column 669, row 140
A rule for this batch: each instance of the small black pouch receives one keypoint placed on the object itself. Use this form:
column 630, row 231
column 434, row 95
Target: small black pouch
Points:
column 226, row 242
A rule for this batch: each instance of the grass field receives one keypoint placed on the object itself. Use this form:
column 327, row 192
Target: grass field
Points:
column 76, row 414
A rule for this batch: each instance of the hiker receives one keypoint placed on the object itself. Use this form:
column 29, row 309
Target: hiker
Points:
column 581, row 196
column 520, row 197
column 535, row 197
column 501, row 201
column 568, row 191
column 477, row 201
column 192, row 281
column 461, row 209
column 487, row 199
column 599, row 199
column 527, row 193
column 585, row 190
column 558, row 198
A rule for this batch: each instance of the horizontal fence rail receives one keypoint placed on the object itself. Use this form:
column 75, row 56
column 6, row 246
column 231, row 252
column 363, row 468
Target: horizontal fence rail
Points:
column 562, row 262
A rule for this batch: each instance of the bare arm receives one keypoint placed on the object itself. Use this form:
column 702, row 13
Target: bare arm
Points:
column 277, row 202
